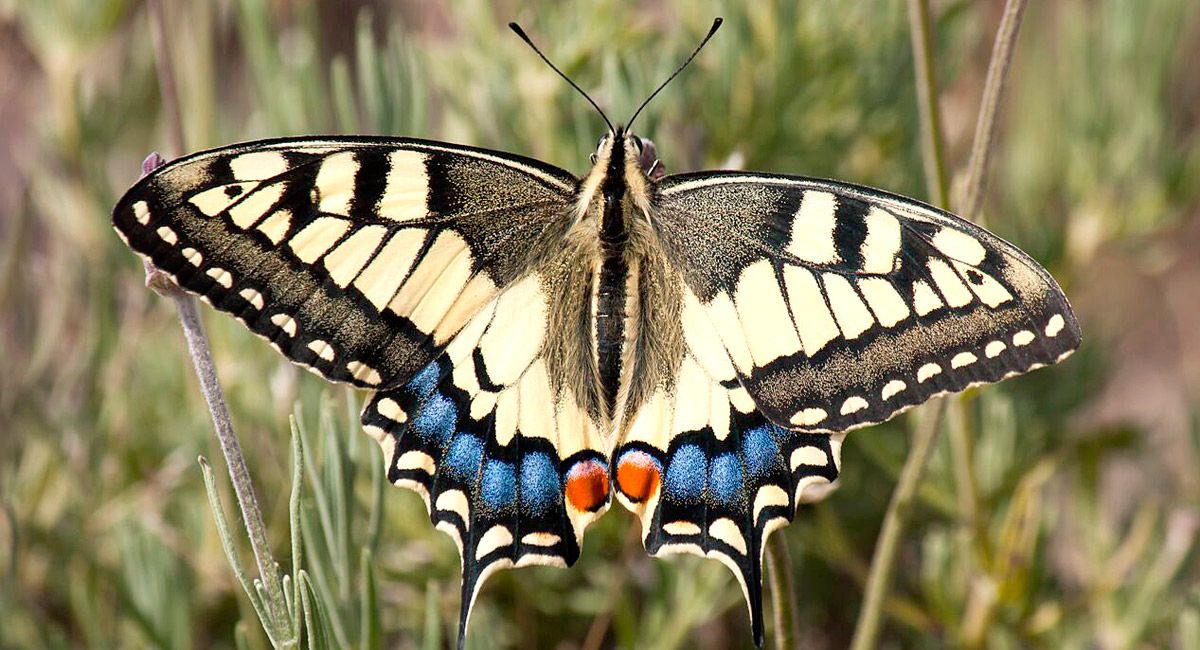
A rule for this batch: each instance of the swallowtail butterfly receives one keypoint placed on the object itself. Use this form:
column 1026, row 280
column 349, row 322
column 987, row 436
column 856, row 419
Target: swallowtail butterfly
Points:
column 695, row 346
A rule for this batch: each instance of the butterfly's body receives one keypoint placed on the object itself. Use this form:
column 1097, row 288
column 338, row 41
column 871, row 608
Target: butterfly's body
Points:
column 695, row 345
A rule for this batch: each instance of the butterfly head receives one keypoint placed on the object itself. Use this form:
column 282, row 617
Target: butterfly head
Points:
column 633, row 152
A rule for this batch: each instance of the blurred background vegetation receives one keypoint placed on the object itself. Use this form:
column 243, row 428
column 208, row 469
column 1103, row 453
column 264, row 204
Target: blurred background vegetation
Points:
column 1069, row 521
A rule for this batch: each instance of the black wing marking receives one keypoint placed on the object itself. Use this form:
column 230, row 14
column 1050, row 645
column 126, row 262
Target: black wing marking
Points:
column 841, row 306
column 358, row 258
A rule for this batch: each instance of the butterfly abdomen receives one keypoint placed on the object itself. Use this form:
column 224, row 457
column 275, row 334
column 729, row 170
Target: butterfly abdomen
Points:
column 610, row 323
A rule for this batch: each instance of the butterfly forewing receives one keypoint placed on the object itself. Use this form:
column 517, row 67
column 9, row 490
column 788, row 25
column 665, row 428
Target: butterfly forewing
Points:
column 359, row 258
column 840, row 306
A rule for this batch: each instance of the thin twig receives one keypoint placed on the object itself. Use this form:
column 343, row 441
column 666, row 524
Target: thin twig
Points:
column 206, row 371
column 201, row 353
column 866, row 631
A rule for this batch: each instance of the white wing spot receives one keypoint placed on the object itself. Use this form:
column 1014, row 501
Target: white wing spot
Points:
column 852, row 315
column 994, row 349
column 725, row 530
column 253, row 297
column 256, row 206
column 167, row 235
column 364, row 373
column 216, row 200
column 809, row 416
column 808, row 455
column 948, row 282
column 381, row 279
column 853, row 405
column 891, row 388
column 193, row 256
column 885, row 301
column 416, row 460
column 141, row 212
column 959, row 246
column 741, row 400
column 317, row 238
column 924, row 299
column 406, row 193
column 455, row 501
column 963, row 359
column 815, row 324
column 681, row 528
column 812, row 228
column 322, row 349
column 724, row 317
column 767, row 496
column 496, row 537
column 258, row 165
column 927, row 371
column 765, row 323
column 276, row 226
column 334, row 186
column 882, row 243
column 813, row 488
column 389, row 409
column 1055, row 325
column 285, row 323
column 541, row 539
column 1024, row 337
column 221, row 276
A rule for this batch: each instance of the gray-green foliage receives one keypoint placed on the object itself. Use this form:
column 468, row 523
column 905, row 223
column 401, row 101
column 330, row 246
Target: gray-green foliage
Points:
column 107, row 539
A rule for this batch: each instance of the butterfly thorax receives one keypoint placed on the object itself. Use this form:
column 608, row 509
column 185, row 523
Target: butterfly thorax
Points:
column 611, row 198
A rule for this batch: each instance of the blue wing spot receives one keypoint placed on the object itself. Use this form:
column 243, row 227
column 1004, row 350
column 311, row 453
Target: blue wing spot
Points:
column 760, row 452
column 540, row 488
column 436, row 419
column 725, row 479
column 463, row 457
column 686, row 472
column 499, row 484
column 426, row 380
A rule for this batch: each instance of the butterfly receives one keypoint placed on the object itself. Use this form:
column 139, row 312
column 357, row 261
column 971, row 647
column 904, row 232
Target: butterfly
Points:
column 536, row 345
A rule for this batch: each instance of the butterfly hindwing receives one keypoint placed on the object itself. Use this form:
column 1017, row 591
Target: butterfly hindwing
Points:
column 840, row 305
column 510, row 466
column 358, row 258
column 709, row 475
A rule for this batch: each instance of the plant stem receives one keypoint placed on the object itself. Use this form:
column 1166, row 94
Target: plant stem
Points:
column 870, row 619
column 927, row 101
column 867, row 630
column 989, row 108
column 166, row 76
column 201, row 354
column 783, row 592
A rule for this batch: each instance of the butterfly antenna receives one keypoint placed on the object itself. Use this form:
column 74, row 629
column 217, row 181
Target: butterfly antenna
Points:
column 712, row 30
column 525, row 37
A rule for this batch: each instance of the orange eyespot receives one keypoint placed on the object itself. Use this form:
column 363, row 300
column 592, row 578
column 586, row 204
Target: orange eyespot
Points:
column 587, row 485
column 638, row 475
